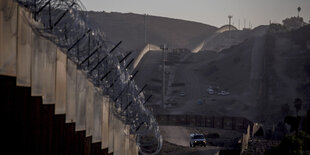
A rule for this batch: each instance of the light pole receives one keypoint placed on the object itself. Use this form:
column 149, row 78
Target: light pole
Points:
column 229, row 26
column 145, row 28
column 298, row 9
column 229, row 18
column 163, row 74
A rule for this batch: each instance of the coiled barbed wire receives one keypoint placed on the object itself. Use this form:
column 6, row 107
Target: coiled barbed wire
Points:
column 64, row 22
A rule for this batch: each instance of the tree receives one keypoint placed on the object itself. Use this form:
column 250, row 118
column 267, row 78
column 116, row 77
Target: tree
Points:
column 292, row 145
column 285, row 109
column 298, row 105
column 306, row 123
column 294, row 122
column 298, row 9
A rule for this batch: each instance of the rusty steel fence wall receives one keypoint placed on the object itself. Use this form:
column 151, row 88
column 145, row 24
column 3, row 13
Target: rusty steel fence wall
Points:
column 228, row 123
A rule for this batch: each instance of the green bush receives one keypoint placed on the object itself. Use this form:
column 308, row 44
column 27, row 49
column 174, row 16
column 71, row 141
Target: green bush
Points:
column 296, row 144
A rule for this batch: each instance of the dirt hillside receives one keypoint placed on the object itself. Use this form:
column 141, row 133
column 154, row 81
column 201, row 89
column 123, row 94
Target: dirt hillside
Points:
column 261, row 75
column 129, row 28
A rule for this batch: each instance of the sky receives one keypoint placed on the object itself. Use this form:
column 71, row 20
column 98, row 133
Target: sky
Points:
column 212, row 12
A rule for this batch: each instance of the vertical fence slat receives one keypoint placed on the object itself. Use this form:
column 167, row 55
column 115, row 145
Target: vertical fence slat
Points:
column 37, row 57
column 118, row 137
column 132, row 144
column 49, row 73
column 111, row 130
column 61, row 83
column 89, row 117
column 126, row 145
column 8, row 38
column 81, row 99
column 71, row 92
column 105, row 122
column 24, row 48
column 97, row 127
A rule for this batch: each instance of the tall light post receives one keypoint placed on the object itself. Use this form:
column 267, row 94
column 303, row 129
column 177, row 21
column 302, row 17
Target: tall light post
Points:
column 229, row 26
column 163, row 74
column 298, row 9
column 229, row 18
column 145, row 28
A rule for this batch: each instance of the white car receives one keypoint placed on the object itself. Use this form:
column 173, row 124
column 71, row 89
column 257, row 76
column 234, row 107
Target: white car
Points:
column 182, row 94
column 197, row 140
column 210, row 91
column 224, row 93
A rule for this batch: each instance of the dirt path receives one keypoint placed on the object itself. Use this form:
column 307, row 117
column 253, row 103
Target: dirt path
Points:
column 176, row 135
column 176, row 140
column 257, row 62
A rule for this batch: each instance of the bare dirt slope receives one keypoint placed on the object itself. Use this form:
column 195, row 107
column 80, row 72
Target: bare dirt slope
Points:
column 172, row 149
column 176, row 140
column 219, row 41
column 179, row 135
column 129, row 28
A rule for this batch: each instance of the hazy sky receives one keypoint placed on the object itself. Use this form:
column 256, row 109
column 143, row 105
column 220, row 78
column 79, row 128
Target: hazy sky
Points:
column 213, row 12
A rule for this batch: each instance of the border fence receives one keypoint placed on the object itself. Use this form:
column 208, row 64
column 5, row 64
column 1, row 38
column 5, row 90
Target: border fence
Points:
column 228, row 123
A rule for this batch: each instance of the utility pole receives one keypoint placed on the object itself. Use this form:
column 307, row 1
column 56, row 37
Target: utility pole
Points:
column 244, row 23
column 163, row 71
column 229, row 18
column 145, row 29
column 250, row 25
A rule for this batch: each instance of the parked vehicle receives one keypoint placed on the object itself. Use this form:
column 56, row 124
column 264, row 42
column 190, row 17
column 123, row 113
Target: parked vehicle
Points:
column 197, row 140
column 224, row 93
column 182, row 94
column 210, row 91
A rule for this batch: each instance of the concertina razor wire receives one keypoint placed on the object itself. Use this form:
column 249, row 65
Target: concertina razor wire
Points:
column 64, row 22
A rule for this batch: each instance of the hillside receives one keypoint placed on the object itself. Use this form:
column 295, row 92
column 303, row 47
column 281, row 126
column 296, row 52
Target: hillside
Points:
column 220, row 41
column 262, row 74
column 129, row 28
column 254, row 74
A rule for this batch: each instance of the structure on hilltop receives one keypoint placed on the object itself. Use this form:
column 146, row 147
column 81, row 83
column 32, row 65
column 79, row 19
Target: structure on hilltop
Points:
column 294, row 23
